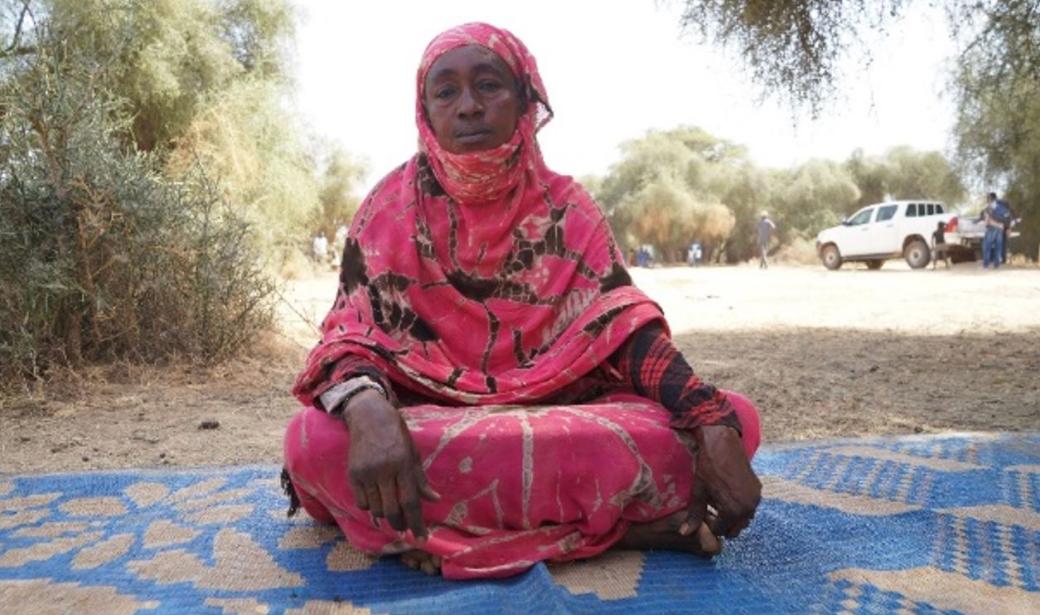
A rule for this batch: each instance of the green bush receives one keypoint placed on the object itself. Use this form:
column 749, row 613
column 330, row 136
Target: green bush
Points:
column 101, row 257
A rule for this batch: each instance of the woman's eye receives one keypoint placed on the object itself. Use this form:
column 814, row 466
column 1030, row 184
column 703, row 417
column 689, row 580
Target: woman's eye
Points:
column 489, row 86
column 444, row 93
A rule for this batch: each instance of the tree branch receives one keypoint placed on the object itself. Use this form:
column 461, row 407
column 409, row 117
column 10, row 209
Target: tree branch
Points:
column 18, row 28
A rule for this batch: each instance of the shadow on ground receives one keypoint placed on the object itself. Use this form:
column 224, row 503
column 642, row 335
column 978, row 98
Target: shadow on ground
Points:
column 809, row 383
column 813, row 383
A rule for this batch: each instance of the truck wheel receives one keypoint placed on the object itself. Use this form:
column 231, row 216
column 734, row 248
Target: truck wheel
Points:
column 831, row 257
column 917, row 254
column 874, row 264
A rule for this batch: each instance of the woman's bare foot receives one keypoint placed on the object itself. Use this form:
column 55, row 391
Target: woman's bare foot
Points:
column 664, row 534
column 421, row 560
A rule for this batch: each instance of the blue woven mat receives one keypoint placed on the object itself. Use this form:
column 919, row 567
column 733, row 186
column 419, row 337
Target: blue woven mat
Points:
column 941, row 524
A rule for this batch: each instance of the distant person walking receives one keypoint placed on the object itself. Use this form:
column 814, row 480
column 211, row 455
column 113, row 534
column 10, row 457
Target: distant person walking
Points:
column 939, row 247
column 694, row 254
column 764, row 230
column 320, row 248
column 997, row 217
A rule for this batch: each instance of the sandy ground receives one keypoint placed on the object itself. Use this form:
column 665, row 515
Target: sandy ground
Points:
column 824, row 354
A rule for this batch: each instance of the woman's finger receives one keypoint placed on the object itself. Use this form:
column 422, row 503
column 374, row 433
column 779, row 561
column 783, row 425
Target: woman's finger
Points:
column 425, row 490
column 408, row 497
column 738, row 528
column 391, row 507
column 360, row 498
column 708, row 541
column 375, row 501
column 696, row 509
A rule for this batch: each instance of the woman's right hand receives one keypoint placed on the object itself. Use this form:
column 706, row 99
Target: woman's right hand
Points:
column 386, row 473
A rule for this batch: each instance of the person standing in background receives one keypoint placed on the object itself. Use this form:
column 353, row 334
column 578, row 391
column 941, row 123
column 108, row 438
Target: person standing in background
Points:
column 764, row 230
column 997, row 218
column 939, row 247
column 695, row 254
column 320, row 248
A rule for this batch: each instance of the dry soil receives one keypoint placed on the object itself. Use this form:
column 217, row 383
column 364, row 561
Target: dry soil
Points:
column 823, row 354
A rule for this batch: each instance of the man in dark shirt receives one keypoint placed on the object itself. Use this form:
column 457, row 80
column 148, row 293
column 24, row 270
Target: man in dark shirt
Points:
column 939, row 247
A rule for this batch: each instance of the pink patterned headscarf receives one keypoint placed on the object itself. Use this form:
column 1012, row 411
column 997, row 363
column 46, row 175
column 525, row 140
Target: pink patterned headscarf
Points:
column 488, row 175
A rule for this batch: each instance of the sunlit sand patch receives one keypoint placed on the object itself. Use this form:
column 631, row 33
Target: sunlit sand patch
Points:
column 52, row 529
column 103, row 552
column 164, row 533
column 198, row 489
column 221, row 514
column 933, row 463
column 789, row 491
column 28, row 501
column 267, row 485
column 278, row 513
column 45, row 550
column 947, row 591
column 308, row 536
column 94, row 507
column 240, row 565
column 45, row 597
column 1025, row 469
column 5, row 487
column 998, row 513
column 328, row 607
column 220, row 497
column 238, row 606
column 344, row 557
column 145, row 494
column 611, row 576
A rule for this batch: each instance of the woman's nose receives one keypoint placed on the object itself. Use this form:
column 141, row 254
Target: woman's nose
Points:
column 469, row 103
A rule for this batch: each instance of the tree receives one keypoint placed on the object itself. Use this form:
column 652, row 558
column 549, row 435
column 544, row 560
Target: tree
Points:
column 793, row 47
column 101, row 256
column 998, row 117
column 666, row 190
column 337, row 193
column 904, row 173
column 810, row 198
column 204, row 83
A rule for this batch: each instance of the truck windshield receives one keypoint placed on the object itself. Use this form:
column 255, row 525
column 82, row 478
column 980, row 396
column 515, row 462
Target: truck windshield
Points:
column 861, row 217
column 886, row 212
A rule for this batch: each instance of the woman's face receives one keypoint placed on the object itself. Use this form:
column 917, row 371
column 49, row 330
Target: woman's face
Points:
column 471, row 100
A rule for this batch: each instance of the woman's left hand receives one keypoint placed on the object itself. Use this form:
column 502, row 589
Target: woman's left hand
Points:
column 725, row 481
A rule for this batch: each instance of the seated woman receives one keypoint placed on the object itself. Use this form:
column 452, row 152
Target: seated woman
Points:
column 490, row 389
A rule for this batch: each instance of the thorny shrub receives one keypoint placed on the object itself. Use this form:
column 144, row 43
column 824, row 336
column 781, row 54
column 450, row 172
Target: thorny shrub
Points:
column 101, row 257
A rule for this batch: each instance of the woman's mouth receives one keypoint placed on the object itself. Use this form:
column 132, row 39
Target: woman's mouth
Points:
column 472, row 136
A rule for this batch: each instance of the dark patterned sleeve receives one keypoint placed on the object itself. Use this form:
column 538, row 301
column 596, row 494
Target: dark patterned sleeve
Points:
column 650, row 363
column 349, row 367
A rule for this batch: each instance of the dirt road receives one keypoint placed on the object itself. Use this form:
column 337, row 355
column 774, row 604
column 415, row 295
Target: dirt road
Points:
column 824, row 354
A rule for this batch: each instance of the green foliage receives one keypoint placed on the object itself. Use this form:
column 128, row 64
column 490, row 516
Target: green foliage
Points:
column 102, row 255
column 203, row 82
column 904, row 173
column 244, row 137
column 997, row 84
column 166, row 58
column 792, row 47
column 336, row 194
column 673, row 187
column 666, row 191
column 811, row 198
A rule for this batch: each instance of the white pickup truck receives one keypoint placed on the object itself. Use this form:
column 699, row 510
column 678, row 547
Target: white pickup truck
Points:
column 895, row 229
